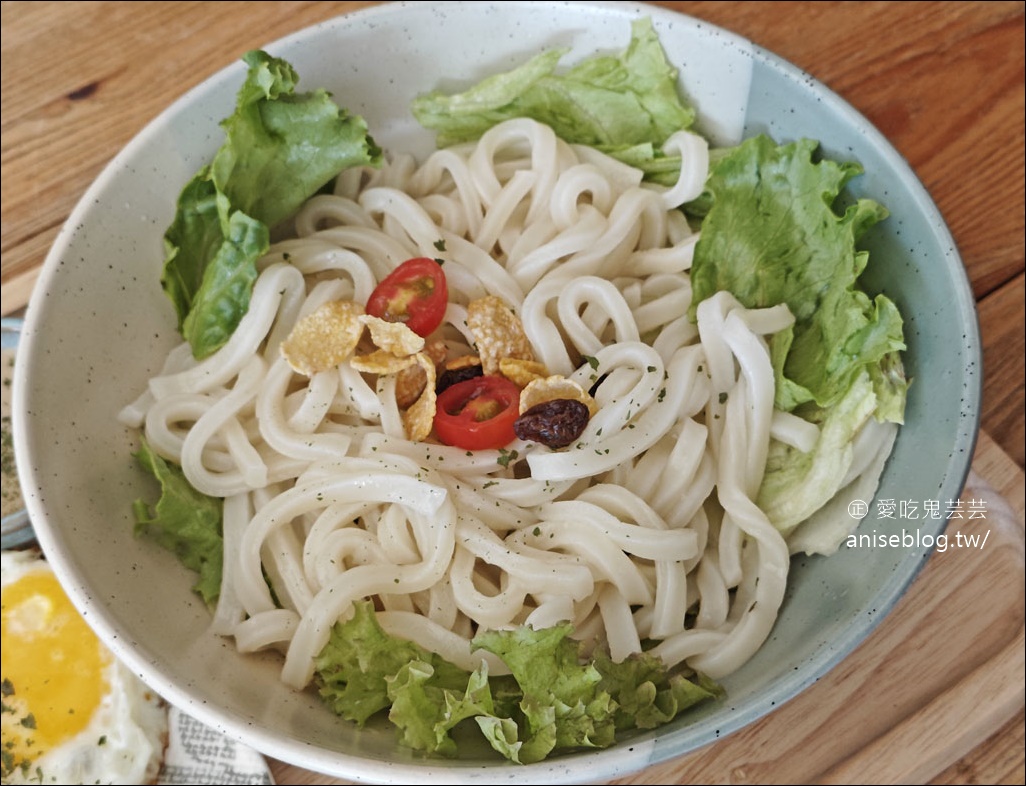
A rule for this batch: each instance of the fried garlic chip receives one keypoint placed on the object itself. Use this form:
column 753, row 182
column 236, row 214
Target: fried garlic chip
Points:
column 522, row 372
column 498, row 333
column 555, row 387
column 418, row 419
column 325, row 338
column 393, row 337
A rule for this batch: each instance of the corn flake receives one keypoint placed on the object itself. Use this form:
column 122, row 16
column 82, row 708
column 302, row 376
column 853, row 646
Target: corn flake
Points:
column 325, row 338
column 498, row 333
column 522, row 372
column 411, row 381
column 463, row 361
column 393, row 337
column 437, row 351
column 420, row 417
column 555, row 387
column 382, row 362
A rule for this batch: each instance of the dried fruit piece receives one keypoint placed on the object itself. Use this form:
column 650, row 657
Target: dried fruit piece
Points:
column 555, row 387
column 522, row 372
column 498, row 333
column 325, row 338
column 554, row 423
column 453, row 376
column 393, row 337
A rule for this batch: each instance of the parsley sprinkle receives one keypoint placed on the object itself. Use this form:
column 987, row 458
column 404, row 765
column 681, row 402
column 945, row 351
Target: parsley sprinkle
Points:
column 440, row 245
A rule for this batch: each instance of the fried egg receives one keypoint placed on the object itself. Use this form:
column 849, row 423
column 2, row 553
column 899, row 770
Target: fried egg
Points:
column 72, row 713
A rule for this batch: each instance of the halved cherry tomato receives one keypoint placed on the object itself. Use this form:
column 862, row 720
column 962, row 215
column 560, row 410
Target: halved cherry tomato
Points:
column 478, row 413
column 415, row 293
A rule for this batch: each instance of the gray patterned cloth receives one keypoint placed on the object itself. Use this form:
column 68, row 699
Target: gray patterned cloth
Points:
column 197, row 753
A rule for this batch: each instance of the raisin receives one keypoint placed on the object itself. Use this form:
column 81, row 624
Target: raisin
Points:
column 554, row 423
column 450, row 377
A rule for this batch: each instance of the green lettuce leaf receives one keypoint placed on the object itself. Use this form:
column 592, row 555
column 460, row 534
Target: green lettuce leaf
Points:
column 426, row 712
column 222, row 299
column 184, row 521
column 625, row 105
column 646, row 694
column 563, row 705
column 797, row 484
column 552, row 701
column 360, row 659
column 280, row 148
column 771, row 236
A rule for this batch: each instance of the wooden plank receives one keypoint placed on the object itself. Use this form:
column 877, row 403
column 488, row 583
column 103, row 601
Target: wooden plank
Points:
column 1004, row 367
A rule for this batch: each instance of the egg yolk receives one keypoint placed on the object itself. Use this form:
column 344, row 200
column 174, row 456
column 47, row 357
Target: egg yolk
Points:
column 54, row 669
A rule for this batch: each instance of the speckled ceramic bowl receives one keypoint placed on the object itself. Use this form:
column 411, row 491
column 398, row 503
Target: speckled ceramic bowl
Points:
column 81, row 362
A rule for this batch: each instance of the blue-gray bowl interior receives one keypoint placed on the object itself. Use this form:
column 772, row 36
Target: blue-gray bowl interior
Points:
column 99, row 326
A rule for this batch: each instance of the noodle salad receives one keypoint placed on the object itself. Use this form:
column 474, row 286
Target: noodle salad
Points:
column 522, row 435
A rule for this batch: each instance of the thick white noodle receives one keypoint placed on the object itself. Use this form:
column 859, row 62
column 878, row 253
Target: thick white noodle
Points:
column 644, row 528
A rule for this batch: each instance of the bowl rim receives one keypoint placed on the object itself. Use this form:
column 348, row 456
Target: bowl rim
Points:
column 575, row 767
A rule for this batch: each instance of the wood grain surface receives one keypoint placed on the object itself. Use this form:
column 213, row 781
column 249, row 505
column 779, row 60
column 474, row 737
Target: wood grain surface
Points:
column 944, row 81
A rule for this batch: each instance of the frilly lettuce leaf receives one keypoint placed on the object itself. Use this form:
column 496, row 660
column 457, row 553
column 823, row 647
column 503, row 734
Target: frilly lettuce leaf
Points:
column 360, row 659
column 625, row 105
column 184, row 521
column 646, row 694
column 554, row 700
column 562, row 704
column 280, row 148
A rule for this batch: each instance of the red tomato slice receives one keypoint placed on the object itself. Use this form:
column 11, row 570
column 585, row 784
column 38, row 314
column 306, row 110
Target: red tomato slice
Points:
column 415, row 293
column 478, row 413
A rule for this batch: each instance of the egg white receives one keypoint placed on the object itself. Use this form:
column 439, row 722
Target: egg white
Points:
column 125, row 738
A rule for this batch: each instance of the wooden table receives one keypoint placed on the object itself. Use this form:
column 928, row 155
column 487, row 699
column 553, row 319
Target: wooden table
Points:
column 943, row 81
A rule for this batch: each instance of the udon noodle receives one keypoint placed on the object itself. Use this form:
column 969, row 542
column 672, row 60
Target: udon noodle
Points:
column 644, row 529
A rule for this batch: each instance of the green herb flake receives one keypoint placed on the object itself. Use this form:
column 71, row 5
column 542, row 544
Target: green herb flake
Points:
column 506, row 456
